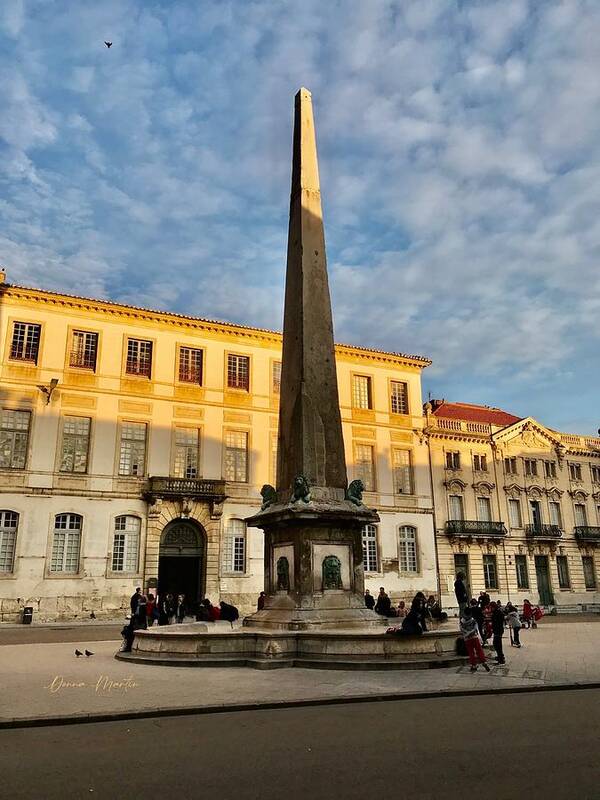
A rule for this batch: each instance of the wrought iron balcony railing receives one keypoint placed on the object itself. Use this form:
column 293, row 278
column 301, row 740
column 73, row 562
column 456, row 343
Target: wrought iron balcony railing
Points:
column 587, row 533
column 543, row 531
column 475, row 527
column 200, row 488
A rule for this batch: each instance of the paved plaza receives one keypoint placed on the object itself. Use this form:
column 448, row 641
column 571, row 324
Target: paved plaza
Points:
column 45, row 680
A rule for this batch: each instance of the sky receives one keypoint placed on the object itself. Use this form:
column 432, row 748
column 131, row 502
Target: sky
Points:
column 459, row 148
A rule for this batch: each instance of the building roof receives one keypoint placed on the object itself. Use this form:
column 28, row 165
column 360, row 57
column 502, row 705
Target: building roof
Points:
column 101, row 305
column 473, row 413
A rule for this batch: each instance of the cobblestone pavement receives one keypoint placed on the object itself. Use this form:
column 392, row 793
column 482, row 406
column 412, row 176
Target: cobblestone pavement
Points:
column 47, row 680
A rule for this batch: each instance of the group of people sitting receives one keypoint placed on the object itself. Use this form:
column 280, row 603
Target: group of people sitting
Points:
column 414, row 619
column 166, row 609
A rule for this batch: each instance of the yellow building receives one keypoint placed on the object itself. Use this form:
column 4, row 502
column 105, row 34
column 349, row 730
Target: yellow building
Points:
column 133, row 444
column 517, row 506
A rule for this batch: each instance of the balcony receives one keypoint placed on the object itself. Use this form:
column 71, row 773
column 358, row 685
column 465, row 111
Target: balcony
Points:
column 476, row 528
column 587, row 533
column 547, row 532
column 194, row 488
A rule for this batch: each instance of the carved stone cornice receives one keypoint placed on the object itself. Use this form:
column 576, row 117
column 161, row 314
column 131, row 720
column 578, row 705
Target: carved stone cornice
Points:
column 455, row 484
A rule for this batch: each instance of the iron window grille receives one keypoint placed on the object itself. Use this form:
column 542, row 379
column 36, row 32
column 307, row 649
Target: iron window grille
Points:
column 361, row 392
column 399, row 397
column 238, row 372
column 139, row 358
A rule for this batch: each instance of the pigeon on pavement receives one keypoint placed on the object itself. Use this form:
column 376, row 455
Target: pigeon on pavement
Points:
column 78, row 653
column 88, row 653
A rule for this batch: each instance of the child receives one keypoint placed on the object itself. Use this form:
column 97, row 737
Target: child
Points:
column 470, row 632
column 514, row 623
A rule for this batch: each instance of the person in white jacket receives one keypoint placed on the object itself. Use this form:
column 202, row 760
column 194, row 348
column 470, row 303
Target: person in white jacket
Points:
column 470, row 632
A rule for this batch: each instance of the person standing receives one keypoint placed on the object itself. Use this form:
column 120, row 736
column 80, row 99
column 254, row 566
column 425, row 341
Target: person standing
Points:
column 498, row 631
column 369, row 600
column 180, row 610
column 470, row 631
column 141, row 611
column 477, row 614
column 460, row 590
column 150, row 606
column 514, row 623
column 135, row 598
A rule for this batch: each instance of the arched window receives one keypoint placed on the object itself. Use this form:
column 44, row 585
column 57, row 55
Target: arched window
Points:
column 66, row 543
column 9, row 522
column 369, row 543
column 407, row 549
column 234, row 551
column 126, row 544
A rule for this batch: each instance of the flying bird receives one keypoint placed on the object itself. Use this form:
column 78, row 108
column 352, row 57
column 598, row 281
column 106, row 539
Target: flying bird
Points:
column 108, row 44
column 78, row 653
column 88, row 653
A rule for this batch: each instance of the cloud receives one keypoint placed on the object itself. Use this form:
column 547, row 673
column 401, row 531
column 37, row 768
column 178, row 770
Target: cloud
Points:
column 458, row 154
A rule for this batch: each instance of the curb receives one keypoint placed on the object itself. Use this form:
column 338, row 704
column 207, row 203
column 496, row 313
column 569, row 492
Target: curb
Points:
column 153, row 713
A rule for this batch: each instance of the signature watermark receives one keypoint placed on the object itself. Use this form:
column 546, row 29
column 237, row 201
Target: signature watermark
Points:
column 104, row 684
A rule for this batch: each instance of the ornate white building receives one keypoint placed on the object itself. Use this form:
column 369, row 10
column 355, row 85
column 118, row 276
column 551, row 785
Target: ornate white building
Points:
column 517, row 506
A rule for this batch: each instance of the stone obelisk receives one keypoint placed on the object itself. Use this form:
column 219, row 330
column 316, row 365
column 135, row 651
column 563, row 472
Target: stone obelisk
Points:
column 312, row 521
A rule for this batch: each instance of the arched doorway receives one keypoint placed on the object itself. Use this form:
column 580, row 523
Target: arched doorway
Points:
column 181, row 561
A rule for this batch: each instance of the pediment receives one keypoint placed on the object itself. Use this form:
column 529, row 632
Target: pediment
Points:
column 455, row 485
column 527, row 435
column 484, row 487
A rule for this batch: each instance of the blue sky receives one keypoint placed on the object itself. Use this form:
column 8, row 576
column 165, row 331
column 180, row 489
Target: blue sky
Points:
column 458, row 146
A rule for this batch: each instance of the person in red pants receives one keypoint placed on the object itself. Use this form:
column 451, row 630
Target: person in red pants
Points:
column 470, row 632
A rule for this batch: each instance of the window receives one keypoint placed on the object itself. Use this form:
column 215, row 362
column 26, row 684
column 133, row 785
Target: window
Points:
column 453, row 460
column 514, row 513
column 186, row 452
column 25, row 343
column 236, row 456
column 575, row 472
column 595, row 474
column 510, row 466
column 589, row 573
column 14, row 435
column 238, row 372
column 455, row 506
column 369, row 544
column 190, row 365
column 399, row 397
column 580, row 515
column 126, row 544
column 480, row 462
column 555, row 515
column 361, row 391
column 139, row 357
column 530, row 466
column 402, row 471
column 550, row 469
column 234, row 552
column 75, row 444
column 490, row 572
column 132, row 455
column 365, row 465
column 522, row 574
column 9, row 522
column 407, row 549
column 484, row 509
column 276, row 377
column 84, row 350
column 66, row 543
column 562, row 565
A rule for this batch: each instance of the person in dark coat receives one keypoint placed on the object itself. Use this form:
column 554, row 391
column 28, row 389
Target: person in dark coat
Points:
column 135, row 598
column 418, row 607
column 498, row 631
column 435, row 609
column 383, row 605
column 460, row 590
column 141, row 611
column 229, row 612
column 202, row 612
column 369, row 600
column 477, row 614
column 261, row 601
